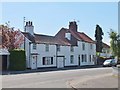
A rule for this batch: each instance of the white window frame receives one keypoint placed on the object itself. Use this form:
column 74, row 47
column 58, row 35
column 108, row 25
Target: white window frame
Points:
column 34, row 46
column 47, row 48
column 58, row 48
column 71, row 59
column 72, row 48
column 48, row 61
column 84, row 57
column 83, row 46
column 91, row 46
column 90, row 58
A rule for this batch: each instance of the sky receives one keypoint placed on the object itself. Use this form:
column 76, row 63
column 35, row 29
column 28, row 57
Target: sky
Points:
column 49, row 17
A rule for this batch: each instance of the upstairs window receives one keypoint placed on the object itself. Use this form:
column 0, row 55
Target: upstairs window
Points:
column 91, row 46
column 83, row 46
column 71, row 59
column 72, row 49
column 34, row 46
column 47, row 48
column 58, row 48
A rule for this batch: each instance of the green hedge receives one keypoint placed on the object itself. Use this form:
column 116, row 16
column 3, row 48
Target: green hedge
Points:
column 17, row 60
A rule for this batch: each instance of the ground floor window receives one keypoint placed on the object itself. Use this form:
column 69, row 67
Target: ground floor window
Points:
column 47, row 60
column 71, row 59
column 90, row 59
column 93, row 58
column 84, row 58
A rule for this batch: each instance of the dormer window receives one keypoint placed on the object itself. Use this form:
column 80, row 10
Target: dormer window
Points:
column 68, row 36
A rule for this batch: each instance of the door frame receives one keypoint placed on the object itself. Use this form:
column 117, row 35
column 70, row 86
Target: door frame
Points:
column 36, row 56
column 63, row 61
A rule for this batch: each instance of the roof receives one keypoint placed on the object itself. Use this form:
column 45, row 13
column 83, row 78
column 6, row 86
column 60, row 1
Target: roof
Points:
column 45, row 39
column 29, row 36
column 85, row 37
column 105, row 45
column 60, row 38
column 78, row 35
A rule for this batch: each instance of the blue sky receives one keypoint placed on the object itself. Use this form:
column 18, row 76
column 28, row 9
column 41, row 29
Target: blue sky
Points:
column 49, row 17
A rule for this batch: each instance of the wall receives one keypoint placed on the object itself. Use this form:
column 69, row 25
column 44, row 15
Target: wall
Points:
column 27, row 51
column 88, row 51
column 65, row 51
column 42, row 53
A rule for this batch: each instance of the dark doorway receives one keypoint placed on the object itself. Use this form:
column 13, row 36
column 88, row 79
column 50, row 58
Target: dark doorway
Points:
column 4, row 62
column 79, row 60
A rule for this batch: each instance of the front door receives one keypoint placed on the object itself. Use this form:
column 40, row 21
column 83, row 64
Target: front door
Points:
column 60, row 62
column 34, row 62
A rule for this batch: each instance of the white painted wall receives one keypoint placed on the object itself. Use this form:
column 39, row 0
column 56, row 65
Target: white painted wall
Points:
column 88, row 51
column 42, row 53
column 64, row 51
column 27, row 51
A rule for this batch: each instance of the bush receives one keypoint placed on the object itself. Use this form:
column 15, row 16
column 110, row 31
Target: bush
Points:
column 17, row 60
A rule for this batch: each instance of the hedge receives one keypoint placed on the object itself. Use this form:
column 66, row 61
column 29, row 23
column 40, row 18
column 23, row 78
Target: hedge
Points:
column 17, row 60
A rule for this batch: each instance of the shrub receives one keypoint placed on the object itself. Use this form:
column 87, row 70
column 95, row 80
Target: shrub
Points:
column 17, row 60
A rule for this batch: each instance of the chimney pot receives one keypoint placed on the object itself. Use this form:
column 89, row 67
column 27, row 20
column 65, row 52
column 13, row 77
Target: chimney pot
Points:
column 31, row 23
column 26, row 23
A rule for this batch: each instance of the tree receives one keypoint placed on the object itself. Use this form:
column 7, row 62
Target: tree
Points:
column 8, row 37
column 115, row 43
column 98, row 37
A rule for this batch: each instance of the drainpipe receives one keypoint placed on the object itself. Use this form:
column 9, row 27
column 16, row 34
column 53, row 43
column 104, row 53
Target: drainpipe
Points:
column 56, row 55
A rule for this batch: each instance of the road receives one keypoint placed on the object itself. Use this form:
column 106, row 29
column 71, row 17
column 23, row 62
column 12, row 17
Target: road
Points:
column 53, row 79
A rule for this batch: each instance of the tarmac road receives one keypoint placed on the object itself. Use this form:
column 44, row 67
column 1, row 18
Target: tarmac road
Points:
column 62, row 79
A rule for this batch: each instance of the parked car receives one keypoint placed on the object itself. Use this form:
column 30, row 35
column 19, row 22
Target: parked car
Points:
column 110, row 62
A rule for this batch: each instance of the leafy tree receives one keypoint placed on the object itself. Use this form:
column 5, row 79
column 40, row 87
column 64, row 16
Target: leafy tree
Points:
column 8, row 37
column 115, row 43
column 98, row 37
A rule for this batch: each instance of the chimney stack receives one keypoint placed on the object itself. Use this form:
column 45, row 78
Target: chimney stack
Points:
column 29, row 27
column 73, row 26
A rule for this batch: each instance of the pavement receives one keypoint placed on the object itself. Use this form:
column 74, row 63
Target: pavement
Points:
column 8, row 72
column 105, row 81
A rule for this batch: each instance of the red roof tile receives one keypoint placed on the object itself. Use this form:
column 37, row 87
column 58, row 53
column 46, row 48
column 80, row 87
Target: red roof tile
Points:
column 105, row 45
column 78, row 35
column 85, row 38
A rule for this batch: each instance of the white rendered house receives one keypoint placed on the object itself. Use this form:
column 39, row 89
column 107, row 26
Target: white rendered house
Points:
column 67, row 48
